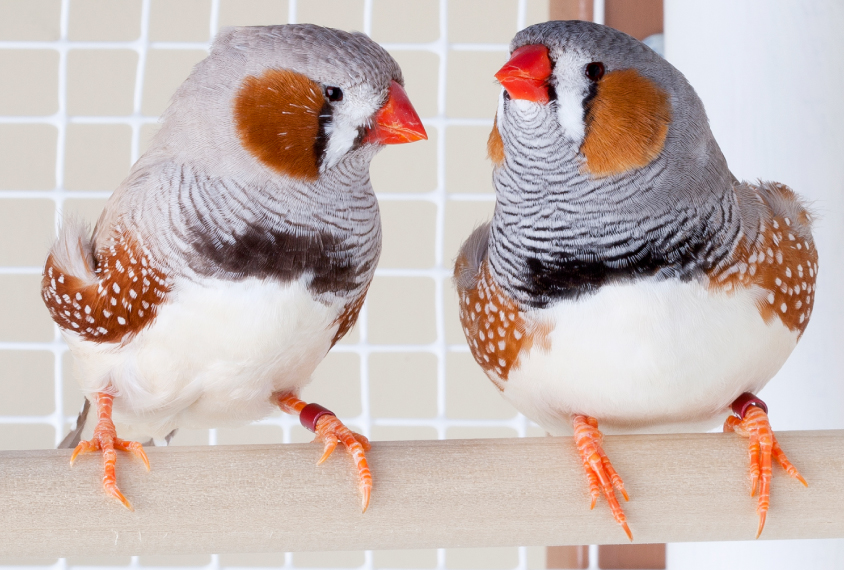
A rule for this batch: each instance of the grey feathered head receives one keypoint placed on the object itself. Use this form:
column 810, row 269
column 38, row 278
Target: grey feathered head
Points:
column 605, row 163
column 295, row 99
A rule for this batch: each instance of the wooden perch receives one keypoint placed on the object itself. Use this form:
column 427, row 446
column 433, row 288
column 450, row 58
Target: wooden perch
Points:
column 427, row 494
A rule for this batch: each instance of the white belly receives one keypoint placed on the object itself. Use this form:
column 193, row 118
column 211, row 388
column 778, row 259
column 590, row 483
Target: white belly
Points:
column 648, row 357
column 213, row 356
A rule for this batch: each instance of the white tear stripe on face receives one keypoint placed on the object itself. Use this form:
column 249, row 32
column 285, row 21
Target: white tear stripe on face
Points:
column 572, row 87
column 348, row 116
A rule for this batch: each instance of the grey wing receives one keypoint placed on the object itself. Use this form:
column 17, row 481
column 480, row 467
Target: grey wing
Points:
column 472, row 254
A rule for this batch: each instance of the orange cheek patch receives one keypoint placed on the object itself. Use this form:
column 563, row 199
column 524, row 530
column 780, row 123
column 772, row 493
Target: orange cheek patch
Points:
column 494, row 145
column 626, row 124
column 277, row 120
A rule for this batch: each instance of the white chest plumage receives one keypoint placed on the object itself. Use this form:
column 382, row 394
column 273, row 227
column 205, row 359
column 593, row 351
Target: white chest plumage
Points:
column 213, row 356
column 650, row 356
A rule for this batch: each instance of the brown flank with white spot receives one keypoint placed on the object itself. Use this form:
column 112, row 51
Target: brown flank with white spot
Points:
column 626, row 123
column 118, row 304
column 495, row 329
column 781, row 262
column 277, row 118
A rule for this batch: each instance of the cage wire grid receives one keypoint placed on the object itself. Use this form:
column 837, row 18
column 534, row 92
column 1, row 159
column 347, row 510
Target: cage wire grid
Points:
column 440, row 273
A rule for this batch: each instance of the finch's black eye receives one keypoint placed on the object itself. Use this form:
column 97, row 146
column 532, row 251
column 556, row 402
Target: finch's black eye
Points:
column 334, row 93
column 595, row 71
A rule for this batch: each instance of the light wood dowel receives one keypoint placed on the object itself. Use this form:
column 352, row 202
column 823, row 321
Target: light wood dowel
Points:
column 427, row 494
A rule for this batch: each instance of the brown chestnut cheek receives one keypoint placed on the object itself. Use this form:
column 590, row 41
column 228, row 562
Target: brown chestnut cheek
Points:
column 626, row 124
column 277, row 121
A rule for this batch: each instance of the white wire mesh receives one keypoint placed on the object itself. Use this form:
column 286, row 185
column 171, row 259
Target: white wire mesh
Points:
column 440, row 273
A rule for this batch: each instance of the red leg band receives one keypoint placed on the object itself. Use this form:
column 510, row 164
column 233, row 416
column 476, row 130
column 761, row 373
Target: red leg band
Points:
column 746, row 400
column 310, row 415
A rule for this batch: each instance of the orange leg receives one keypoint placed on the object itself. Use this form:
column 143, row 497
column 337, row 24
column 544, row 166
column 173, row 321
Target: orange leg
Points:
column 599, row 470
column 105, row 439
column 762, row 447
column 330, row 431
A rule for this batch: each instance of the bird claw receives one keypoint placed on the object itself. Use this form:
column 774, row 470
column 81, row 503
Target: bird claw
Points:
column 330, row 431
column 601, row 474
column 106, row 440
column 762, row 448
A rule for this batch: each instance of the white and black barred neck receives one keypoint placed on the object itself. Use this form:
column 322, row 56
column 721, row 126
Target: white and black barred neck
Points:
column 614, row 176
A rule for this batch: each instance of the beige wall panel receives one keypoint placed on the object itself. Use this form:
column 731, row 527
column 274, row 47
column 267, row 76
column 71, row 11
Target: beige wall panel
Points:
column 29, row 157
column 179, row 20
column 451, row 307
column 30, row 20
column 404, row 559
column 11, row 561
column 85, row 209
column 71, row 393
column 469, row 394
column 408, row 231
column 467, row 167
column 147, row 132
column 97, row 157
column 405, row 21
column 101, row 82
column 482, row 21
column 461, row 218
column 328, row 559
column 104, row 20
column 175, row 560
column 27, row 228
column 165, row 71
column 472, row 432
column 250, row 434
column 99, row 561
column 190, row 437
column 402, row 433
column 406, row 167
column 25, row 318
column 262, row 560
column 537, row 11
column 420, row 70
column 472, row 91
column 30, row 82
column 341, row 14
column 481, row 558
column 336, row 384
column 252, row 12
column 536, row 558
column 26, row 383
column 401, row 310
column 402, row 385
column 298, row 434
column 27, row 436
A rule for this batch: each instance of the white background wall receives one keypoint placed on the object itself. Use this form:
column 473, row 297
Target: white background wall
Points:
column 771, row 75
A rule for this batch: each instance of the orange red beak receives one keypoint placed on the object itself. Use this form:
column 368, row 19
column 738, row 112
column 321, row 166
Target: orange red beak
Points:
column 396, row 122
column 526, row 75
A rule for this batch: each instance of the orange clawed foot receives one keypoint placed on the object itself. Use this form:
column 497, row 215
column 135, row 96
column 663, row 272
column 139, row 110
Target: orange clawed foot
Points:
column 599, row 470
column 762, row 446
column 331, row 431
column 105, row 439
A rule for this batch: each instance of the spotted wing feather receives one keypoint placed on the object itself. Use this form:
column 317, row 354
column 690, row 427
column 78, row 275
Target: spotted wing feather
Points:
column 777, row 255
column 103, row 296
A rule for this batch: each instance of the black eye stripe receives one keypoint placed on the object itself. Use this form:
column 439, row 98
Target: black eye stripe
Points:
column 595, row 70
column 334, row 93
